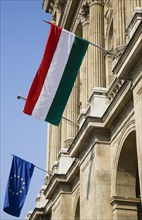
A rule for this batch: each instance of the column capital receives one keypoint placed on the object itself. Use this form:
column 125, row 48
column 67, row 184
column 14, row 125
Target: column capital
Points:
column 98, row 2
column 84, row 14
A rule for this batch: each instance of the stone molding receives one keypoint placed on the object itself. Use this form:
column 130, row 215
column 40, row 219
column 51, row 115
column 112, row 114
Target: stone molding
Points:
column 133, row 24
column 40, row 199
column 98, row 98
column 126, row 129
column 133, row 49
column 97, row 2
column 124, row 203
column 94, row 124
column 114, row 88
column 108, row 3
column 58, row 180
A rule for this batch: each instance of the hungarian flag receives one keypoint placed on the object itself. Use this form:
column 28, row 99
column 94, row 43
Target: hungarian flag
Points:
column 56, row 75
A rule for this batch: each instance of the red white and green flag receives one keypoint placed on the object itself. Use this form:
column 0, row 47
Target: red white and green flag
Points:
column 56, row 75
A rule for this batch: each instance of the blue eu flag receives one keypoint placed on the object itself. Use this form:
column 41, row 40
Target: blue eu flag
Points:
column 17, row 187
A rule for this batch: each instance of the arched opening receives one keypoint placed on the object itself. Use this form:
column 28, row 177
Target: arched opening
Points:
column 77, row 211
column 127, row 168
column 127, row 178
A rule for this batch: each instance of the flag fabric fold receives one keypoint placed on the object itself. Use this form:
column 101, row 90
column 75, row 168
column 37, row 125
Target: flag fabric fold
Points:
column 56, row 75
column 17, row 186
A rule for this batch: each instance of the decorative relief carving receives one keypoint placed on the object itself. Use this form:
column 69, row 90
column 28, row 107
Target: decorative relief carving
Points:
column 51, row 6
column 55, row 7
column 108, row 3
column 59, row 5
column 109, row 10
column 115, row 89
column 84, row 12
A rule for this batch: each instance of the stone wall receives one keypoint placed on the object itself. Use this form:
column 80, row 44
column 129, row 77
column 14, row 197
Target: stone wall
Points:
column 95, row 161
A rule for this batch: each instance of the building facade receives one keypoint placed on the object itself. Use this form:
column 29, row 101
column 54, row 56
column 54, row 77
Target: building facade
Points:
column 94, row 157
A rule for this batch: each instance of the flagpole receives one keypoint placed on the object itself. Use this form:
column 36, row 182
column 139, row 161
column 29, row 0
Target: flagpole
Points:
column 41, row 169
column 21, row 97
column 36, row 166
column 70, row 121
column 101, row 48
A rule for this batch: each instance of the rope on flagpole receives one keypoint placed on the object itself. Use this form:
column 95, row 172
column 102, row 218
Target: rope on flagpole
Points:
column 21, row 97
column 99, row 47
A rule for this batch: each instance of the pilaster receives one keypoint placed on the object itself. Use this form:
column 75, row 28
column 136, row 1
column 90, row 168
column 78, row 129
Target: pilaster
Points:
column 119, row 25
column 54, row 144
column 62, row 208
column 108, row 25
column 95, row 181
column 103, row 180
column 64, row 129
column 137, row 95
column 84, row 67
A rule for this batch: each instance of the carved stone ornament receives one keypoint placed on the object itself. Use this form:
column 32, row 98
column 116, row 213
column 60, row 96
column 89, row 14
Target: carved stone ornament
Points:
column 84, row 12
column 108, row 3
column 109, row 10
column 59, row 4
column 96, row 1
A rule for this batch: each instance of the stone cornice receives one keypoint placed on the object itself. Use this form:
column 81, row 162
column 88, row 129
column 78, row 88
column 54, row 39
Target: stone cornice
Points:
column 60, row 179
column 122, row 97
column 61, row 184
column 36, row 213
column 97, row 125
column 130, row 55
